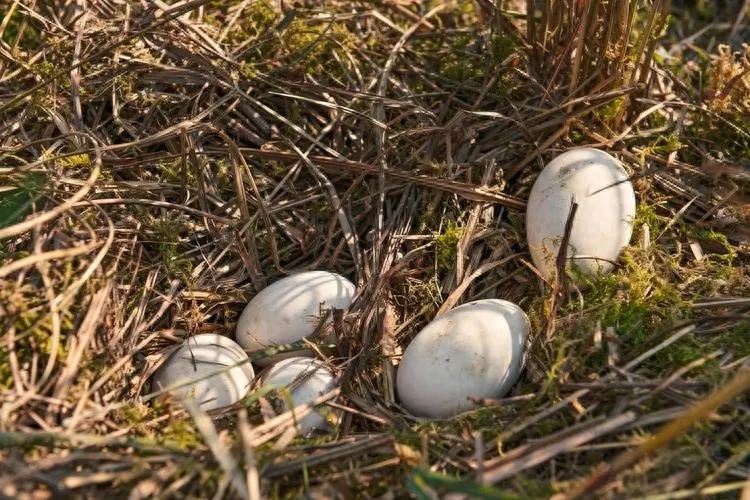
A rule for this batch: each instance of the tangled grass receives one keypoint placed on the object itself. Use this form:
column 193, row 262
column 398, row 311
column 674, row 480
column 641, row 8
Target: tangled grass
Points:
column 161, row 164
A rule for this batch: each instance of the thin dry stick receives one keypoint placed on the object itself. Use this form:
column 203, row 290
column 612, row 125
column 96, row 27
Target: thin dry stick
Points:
column 380, row 136
column 579, row 394
column 560, row 285
column 538, row 456
column 701, row 411
column 54, row 313
column 81, row 341
column 277, row 425
column 338, row 453
column 64, row 253
column 467, row 191
column 669, row 381
column 454, row 297
column 350, row 236
column 389, row 348
column 220, row 451
column 171, row 14
column 49, row 215
column 63, row 299
column 75, row 74
column 252, row 477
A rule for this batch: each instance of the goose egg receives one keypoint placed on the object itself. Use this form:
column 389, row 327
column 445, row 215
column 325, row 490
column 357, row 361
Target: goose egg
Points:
column 306, row 379
column 207, row 356
column 290, row 309
column 476, row 349
column 602, row 226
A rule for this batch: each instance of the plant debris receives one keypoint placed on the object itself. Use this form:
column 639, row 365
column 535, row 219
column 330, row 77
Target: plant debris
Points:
column 162, row 163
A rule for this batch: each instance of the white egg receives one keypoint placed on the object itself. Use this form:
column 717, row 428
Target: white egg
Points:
column 290, row 309
column 202, row 360
column 306, row 379
column 602, row 226
column 476, row 349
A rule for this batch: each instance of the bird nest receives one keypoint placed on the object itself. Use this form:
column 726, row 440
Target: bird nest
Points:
column 162, row 164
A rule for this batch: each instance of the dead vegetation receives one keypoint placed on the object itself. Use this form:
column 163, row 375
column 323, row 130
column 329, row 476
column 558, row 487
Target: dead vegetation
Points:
column 162, row 163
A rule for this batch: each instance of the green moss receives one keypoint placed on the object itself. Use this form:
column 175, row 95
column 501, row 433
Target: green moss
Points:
column 551, row 425
column 73, row 161
column 704, row 11
column 45, row 69
column 43, row 336
column 458, row 67
column 181, row 434
column 656, row 120
column 612, row 110
column 223, row 174
column 666, row 144
column 20, row 32
column 294, row 43
column 642, row 297
column 714, row 236
column 735, row 340
column 646, row 214
column 167, row 233
column 530, row 487
column 680, row 355
column 637, row 299
column 633, row 300
column 172, row 172
column 256, row 19
column 577, row 137
column 465, row 9
column 485, row 419
column 24, row 310
column 447, row 245
column 313, row 47
column 459, row 61
column 728, row 134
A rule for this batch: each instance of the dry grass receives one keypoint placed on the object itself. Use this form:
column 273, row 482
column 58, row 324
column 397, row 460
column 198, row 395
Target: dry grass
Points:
column 161, row 164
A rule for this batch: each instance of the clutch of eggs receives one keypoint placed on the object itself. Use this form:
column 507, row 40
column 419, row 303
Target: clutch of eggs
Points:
column 602, row 226
column 474, row 350
column 214, row 369
column 290, row 309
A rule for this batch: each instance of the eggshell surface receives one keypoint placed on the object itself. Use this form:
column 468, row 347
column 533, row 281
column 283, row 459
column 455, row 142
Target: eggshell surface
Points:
column 200, row 356
column 305, row 379
column 290, row 309
column 476, row 349
column 602, row 226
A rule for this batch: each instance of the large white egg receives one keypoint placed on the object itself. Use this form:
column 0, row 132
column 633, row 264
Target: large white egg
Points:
column 306, row 379
column 207, row 355
column 476, row 349
column 290, row 309
column 602, row 226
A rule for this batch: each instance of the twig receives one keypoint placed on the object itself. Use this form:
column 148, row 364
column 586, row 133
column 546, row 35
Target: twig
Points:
column 738, row 385
column 219, row 450
column 560, row 285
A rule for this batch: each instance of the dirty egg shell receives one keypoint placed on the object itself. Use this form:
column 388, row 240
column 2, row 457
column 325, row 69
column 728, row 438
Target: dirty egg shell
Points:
column 290, row 309
column 315, row 380
column 476, row 349
column 602, row 226
column 200, row 356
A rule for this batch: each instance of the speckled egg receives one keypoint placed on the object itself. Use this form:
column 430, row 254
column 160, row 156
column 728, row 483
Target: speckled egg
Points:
column 602, row 226
column 476, row 349
column 305, row 379
column 208, row 363
column 290, row 309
